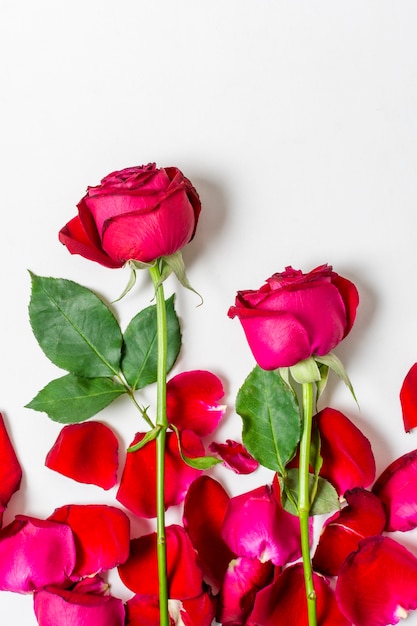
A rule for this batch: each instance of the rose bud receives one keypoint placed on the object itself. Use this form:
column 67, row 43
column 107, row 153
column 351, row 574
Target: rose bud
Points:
column 139, row 213
column 295, row 316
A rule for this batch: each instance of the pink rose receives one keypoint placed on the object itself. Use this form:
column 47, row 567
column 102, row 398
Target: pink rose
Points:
column 295, row 315
column 139, row 213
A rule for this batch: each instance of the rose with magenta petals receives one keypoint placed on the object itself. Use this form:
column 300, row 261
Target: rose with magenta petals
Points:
column 295, row 316
column 139, row 213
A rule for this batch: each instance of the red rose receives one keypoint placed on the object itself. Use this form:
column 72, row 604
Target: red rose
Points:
column 295, row 315
column 140, row 213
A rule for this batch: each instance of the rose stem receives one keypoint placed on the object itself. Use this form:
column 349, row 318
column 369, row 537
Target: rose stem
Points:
column 161, row 420
column 304, row 499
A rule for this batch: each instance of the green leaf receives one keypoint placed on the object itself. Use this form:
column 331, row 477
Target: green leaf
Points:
column 271, row 418
column 150, row 436
column 72, row 399
column 325, row 501
column 197, row 462
column 74, row 328
column 140, row 357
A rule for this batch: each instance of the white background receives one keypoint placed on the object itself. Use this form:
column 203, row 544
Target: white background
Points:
column 296, row 121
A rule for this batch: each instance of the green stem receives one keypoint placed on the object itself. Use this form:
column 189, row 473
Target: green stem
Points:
column 161, row 420
column 304, row 500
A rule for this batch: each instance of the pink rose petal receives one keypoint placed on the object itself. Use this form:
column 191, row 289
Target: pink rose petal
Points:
column 396, row 488
column 377, row 585
column 192, row 401
column 284, row 602
column 140, row 572
column 101, row 536
column 363, row 516
column 205, row 506
column 244, row 578
column 257, row 527
column 348, row 461
column 86, row 452
column 35, row 553
column 66, row 607
column 408, row 399
column 137, row 492
column 10, row 470
column 235, row 456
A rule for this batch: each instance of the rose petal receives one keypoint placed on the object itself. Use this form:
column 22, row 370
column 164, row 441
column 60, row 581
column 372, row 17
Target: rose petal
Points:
column 205, row 506
column 140, row 572
column 65, row 607
column 396, row 488
column 10, row 470
column 87, row 453
column 377, row 585
column 198, row 611
column 244, row 578
column 256, row 526
column 364, row 516
column 136, row 491
column 284, row 602
column 192, row 401
column 235, row 456
column 83, row 241
column 348, row 461
column 408, row 399
column 101, row 535
column 143, row 610
column 35, row 553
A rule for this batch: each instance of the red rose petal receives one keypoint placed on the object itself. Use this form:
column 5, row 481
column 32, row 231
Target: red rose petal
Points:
column 348, row 461
column 78, row 241
column 408, row 399
column 235, row 456
column 284, row 602
column 364, row 516
column 136, row 491
column 87, row 453
column 35, row 553
column 256, row 526
column 377, row 585
column 10, row 470
column 396, row 487
column 101, row 535
column 192, row 401
column 140, row 572
column 205, row 506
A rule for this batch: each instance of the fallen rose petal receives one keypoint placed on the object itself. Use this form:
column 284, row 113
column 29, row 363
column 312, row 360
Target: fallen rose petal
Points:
column 65, row 607
column 10, row 470
column 192, row 401
column 140, row 572
column 135, row 492
column 284, row 602
column 396, row 488
column 348, row 461
column 363, row 516
column 35, row 553
column 243, row 579
column 377, row 584
column 87, row 453
column 101, row 536
column 144, row 611
column 205, row 506
column 256, row 526
column 235, row 456
column 408, row 399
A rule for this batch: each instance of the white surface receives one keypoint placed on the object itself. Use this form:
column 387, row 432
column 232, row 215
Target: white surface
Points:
column 296, row 121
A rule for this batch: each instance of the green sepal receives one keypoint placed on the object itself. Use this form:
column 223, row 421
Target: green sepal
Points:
column 72, row 399
column 150, row 436
column 324, row 377
column 175, row 263
column 305, row 371
column 76, row 330
column 140, row 351
column 130, row 284
column 326, row 499
column 198, row 462
column 271, row 418
column 336, row 365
